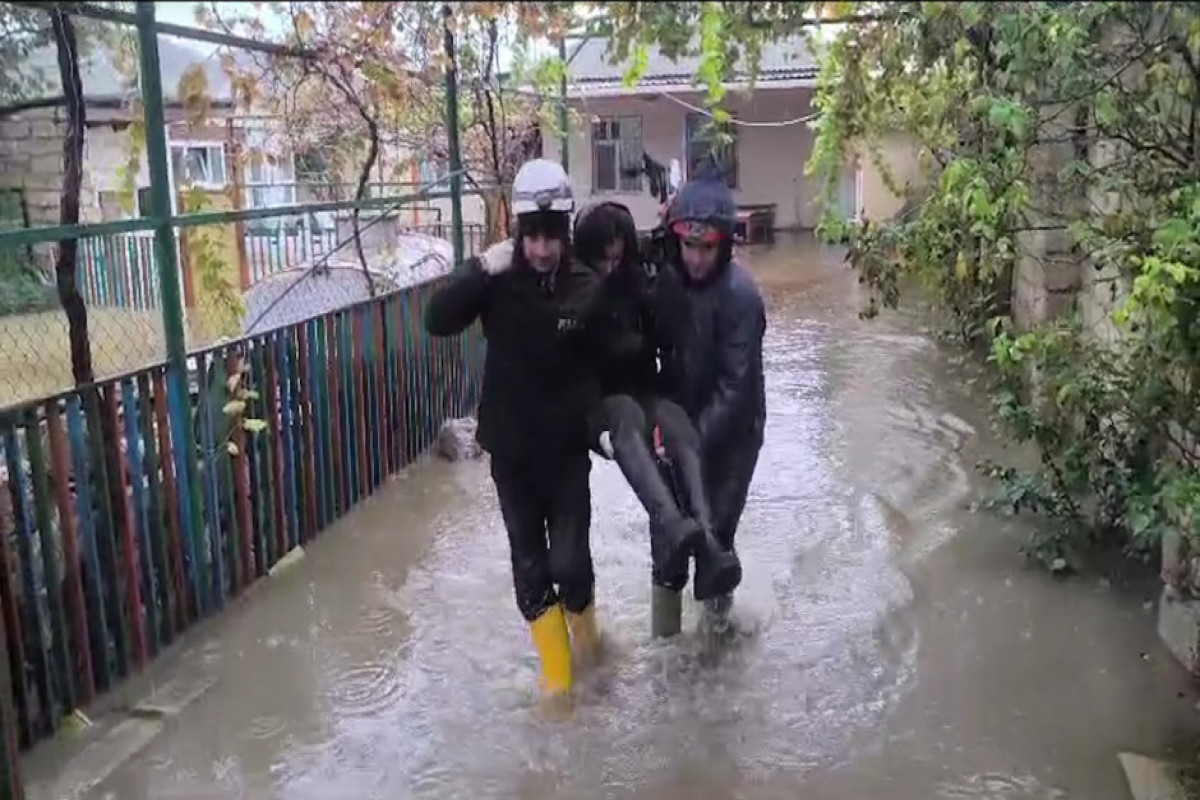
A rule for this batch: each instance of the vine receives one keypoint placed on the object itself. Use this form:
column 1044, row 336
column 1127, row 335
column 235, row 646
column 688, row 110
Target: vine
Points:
column 222, row 300
column 1051, row 141
column 239, row 395
column 1026, row 114
column 223, row 308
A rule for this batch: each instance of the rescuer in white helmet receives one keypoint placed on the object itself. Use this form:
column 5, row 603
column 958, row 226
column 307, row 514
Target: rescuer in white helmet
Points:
column 530, row 295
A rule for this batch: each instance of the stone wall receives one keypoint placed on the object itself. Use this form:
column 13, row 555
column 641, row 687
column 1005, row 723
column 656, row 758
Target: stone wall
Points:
column 1049, row 273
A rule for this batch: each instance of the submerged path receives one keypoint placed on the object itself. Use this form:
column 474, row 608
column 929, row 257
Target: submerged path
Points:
column 901, row 648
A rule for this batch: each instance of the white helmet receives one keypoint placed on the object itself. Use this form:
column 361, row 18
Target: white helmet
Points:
column 542, row 185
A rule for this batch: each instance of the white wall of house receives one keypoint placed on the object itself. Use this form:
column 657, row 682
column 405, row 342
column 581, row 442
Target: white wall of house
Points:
column 770, row 158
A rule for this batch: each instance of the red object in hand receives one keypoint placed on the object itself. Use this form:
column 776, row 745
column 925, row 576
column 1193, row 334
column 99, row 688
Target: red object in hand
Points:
column 659, row 450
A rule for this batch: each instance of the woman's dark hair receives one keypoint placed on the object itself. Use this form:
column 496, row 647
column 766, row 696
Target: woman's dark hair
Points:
column 598, row 227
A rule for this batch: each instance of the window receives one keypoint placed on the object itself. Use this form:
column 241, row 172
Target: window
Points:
column 705, row 148
column 617, row 154
column 269, row 172
column 143, row 201
column 311, row 166
column 268, row 169
column 199, row 164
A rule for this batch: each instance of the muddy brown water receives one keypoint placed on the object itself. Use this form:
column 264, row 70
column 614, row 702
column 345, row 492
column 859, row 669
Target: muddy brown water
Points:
column 897, row 647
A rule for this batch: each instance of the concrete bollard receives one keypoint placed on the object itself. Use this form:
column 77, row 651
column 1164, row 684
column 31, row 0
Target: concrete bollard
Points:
column 1178, row 608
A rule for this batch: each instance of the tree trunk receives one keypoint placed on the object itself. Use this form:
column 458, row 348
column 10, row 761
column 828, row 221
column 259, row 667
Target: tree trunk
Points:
column 73, row 306
column 364, row 182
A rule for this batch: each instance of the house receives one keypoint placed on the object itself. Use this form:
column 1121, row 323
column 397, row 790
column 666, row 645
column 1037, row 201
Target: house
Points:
column 663, row 117
column 234, row 158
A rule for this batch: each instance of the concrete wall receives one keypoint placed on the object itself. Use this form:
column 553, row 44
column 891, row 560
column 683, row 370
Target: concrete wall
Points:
column 31, row 158
column 899, row 155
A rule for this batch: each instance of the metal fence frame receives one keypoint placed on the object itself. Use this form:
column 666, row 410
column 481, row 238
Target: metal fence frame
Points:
column 174, row 375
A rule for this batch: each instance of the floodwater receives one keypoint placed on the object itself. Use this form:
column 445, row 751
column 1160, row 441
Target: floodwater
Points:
column 895, row 645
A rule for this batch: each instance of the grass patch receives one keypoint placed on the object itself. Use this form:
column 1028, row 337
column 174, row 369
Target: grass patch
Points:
column 35, row 356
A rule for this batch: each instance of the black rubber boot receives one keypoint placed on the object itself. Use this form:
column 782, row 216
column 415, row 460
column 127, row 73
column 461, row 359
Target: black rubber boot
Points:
column 672, row 545
column 673, row 536
column 718, row 571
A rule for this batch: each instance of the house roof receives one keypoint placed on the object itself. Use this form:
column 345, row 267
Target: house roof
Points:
column 593, row 73
column 102, row 81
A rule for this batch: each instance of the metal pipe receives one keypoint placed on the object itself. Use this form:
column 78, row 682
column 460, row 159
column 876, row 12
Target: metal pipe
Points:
column 160, row 187
column 56, row 233
column 564, row 132
column 456, row 214
column 166, row 254
column 93, row 11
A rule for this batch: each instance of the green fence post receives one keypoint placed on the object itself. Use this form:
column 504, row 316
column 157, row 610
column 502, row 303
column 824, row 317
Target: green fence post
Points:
column 160, row 188
column 182, row 430
column 456, row 215
column 562, row 106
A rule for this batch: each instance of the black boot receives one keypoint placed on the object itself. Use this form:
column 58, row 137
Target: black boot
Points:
column 673, row 536
column 671, row 546
column 718, row 571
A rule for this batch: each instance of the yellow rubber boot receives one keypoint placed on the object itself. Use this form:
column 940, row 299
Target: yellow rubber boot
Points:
column 553, row 645
column 585, row 636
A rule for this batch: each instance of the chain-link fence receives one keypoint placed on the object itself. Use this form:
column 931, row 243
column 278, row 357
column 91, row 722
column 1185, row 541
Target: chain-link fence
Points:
column 224, row 269
column 102, row 315
column 117, row 285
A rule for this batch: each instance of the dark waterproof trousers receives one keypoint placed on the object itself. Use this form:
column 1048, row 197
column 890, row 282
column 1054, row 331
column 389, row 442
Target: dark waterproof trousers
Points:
column 547, row 509
column 727, row 476
column 667, row 490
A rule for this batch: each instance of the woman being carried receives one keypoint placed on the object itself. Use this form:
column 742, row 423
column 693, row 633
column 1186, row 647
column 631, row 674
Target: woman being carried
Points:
column 652, row 439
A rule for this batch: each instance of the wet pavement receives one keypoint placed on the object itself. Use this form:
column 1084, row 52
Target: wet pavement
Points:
column 895, row 644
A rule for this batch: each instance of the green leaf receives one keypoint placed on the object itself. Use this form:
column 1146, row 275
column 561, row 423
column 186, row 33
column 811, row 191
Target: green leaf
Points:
column 1106, row 109
column 1173, row 234
column 254, row 425
column 641, row 62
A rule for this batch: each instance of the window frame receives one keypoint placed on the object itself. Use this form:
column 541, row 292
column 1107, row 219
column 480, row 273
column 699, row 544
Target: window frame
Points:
column 694, row 123
column 622, row 183
column 184, row 146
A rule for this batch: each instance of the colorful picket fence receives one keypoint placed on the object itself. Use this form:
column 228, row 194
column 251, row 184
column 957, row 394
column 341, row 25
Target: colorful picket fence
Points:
column 117, row 534
column 118, row 271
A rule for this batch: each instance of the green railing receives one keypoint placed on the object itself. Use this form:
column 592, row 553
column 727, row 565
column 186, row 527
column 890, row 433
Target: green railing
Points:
column 134, row 506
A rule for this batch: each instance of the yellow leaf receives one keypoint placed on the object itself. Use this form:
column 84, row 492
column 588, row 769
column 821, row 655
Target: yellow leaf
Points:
column 232, row 449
